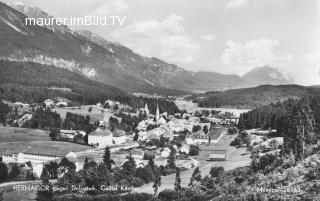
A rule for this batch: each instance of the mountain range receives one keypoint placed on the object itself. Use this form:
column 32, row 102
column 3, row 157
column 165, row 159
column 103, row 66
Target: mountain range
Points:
column 110, row 63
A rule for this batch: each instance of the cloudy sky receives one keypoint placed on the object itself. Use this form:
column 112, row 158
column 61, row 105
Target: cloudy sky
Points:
column 225, row 36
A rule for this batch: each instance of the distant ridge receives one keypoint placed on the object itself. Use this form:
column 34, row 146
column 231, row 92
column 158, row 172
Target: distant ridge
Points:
column 252, row 97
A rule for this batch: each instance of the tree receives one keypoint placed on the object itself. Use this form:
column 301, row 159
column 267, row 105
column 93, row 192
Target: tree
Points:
column 45, row 194
column 205, row 129
column 151, row 163
column 250, row 148
column 216, row 171
column 116, row 107
column 196, row 128
column 196, row 177
column 136, row 136
column 3, row 172
column 241, row 125
column 15, row 171
column 107, row 158
column 67, row 164
column 171, row 159
column 85, row 163
column 4, row 110
column 29, row 164
column 232, row 131
column 194, row 150
column 157, row 183
column 177, row 184
column 207, row 184
column 54, row 132
column 129, row 167
column 52, row 169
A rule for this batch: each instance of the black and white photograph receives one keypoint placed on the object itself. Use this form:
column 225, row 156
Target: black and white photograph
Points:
column 159, row 100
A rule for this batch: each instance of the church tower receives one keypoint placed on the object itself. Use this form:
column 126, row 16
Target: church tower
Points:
column 146, row 109
column 157, row 112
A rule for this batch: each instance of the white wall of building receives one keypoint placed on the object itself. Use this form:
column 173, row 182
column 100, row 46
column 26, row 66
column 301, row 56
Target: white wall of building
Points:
column 25, row 157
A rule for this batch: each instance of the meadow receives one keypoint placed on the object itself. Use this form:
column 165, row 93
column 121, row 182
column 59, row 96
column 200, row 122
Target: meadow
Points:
column 14, row 134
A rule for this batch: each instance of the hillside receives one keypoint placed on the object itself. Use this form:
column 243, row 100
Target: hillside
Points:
column 251, row 97
column 32, row 82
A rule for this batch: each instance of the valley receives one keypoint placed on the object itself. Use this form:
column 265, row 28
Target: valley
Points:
column 80, row 110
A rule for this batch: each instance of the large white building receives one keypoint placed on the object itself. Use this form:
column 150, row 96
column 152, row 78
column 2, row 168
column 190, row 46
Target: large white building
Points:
column 25, row 157
column 103, row 137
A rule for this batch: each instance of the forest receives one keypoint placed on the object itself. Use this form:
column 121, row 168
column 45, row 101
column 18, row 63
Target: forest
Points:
column 250, row 98
column 34, row 83
column 298, row 121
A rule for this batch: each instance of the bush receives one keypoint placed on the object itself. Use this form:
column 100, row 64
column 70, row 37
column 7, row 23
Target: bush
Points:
column 145, row 174
column 232, row 131
column 216, row 171
column 168, row 195
column 194, row 150
column 242, row 139
column 137, row 182
column 147, row 156
column 196, row 128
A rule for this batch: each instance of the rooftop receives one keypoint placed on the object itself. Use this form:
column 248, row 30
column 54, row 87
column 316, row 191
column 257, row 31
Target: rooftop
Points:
column 221, row 151
column 100, row 132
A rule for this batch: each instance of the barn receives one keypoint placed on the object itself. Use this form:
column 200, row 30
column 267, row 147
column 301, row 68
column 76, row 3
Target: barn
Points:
column 218, row 155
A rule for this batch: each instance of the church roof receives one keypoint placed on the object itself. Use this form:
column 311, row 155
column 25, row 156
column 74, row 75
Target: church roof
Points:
column 101, row 132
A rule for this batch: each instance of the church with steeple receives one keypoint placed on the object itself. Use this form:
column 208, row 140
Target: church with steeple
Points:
column 153, row 119
column 159, row 119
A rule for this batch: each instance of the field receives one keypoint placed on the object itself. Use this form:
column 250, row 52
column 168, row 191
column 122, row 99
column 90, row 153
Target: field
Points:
column 12, row 134
column 56, row 148
column 95, row 114
column 14, row 140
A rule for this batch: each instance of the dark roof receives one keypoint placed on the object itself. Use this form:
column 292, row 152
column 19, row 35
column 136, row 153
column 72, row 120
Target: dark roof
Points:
column 222, row 151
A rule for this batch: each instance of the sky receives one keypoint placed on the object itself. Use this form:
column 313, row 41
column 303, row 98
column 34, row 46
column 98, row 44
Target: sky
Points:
column 224, row 36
